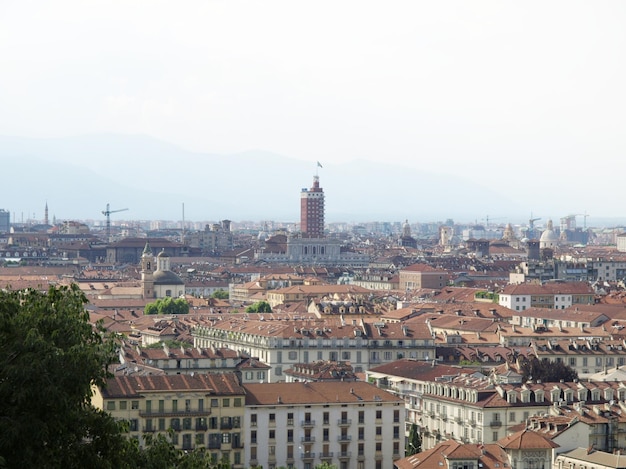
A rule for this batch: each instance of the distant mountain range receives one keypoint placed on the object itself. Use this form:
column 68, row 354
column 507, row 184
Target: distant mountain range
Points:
column 78, row 176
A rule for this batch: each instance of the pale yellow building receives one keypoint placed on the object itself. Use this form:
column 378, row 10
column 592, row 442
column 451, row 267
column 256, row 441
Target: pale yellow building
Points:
column 203, row 410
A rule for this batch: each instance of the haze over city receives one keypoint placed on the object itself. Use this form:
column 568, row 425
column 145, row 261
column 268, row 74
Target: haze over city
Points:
column 454, row 109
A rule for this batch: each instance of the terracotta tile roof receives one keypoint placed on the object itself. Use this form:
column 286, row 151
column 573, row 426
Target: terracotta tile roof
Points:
column 134, row 386
column 321, row 392
column 421, row 268
column 418, row 370
column 490, row 456
column 550, row 288
column 526, row 439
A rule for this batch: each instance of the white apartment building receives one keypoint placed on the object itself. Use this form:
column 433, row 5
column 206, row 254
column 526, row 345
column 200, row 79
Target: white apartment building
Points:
column 472, row 408
column 351, row 425
column 363, row 342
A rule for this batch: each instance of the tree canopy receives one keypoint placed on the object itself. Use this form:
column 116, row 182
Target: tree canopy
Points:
column 50, row 356
column 259, row 307
column 546, row 371
column 167, row 305
column 220, row 294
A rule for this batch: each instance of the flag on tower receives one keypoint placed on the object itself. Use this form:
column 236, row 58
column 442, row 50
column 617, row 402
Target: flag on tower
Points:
column 319, row 165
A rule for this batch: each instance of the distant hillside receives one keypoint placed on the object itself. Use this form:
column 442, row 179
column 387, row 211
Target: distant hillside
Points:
column 79, row 176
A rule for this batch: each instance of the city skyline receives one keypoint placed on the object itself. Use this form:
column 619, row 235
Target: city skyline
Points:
column 524, row 99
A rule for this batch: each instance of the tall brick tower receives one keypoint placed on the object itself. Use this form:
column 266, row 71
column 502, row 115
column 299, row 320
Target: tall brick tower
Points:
column 312, row 210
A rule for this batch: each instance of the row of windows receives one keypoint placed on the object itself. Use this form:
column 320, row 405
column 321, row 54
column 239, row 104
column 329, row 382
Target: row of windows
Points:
column 308, row 418
column 187, row 405
column 187, row 423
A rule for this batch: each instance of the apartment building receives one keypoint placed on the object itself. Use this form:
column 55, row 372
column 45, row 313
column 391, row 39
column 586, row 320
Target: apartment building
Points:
column 552, row 295
column 281, row 344
column 202, row 410
column 417, row 276
column 585, row 355
column 351, row 425
column 472, row 408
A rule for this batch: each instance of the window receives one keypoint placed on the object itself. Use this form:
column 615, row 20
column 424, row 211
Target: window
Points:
column 290, row 435
column 253, row 436
column 237, row 402
column 272, row 434
column 326, row 418
column 134, row 405
column 134, row 425
column 123, row 405
column 379, row 431
column 226, row 438
column 272, row 418
column 215, row 403
column 253, row 420
column 226, row 402
column 379, row 414
column 174, row 405
column 396, row 416
column 361, row 416
column 361, row 433
column 110, row 405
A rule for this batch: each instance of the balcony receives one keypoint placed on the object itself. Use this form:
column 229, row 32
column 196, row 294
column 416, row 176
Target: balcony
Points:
column 459, row 420
column 307, row 423
column 344, row 438
column 307, row 456
column 472, row 423
column 175, row 413
column 495, row 423
column 327, row 455
column 344, row 422
column 344, row 454
column 307, row 439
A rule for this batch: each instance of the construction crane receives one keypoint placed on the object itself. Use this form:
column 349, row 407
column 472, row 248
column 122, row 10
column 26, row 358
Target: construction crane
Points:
column 108, row 213
column 487, row 218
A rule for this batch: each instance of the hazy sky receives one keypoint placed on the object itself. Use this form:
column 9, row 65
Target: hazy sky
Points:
column 511, row 91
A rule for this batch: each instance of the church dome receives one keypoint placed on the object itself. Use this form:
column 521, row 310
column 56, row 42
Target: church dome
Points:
column 549, row 238
column 166, row 277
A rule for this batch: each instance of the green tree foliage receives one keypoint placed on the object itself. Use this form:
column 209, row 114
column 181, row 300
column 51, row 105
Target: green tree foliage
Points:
column 325, row 465
column 547, row 371
column 220, row 294
column 167, row 306
column 259, row 307
column 50, row 355
column 414, row 441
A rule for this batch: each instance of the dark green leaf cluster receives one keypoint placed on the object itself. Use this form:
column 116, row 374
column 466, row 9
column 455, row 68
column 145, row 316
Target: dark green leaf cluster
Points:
column 546, row 371
column 167, row 306
column 220, row 294
column 259, row 307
